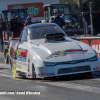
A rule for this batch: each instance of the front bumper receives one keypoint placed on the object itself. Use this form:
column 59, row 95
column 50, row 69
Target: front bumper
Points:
column 67, row 69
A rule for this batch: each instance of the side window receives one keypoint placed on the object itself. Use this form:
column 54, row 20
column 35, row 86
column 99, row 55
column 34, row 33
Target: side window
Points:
column 24, row 35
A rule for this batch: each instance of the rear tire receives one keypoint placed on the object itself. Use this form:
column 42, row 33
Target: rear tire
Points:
column 6, row 58
column 11, row 63
column 33, row 71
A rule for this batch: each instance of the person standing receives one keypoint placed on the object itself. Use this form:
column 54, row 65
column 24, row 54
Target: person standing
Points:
column 17, row 27
column 21, row 24
column 28, row 21
column 59, row 20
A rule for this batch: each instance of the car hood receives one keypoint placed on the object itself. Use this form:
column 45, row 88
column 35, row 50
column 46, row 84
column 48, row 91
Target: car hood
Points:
column 56, row 51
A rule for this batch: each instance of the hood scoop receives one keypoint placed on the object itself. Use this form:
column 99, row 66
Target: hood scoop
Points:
column 54, row 37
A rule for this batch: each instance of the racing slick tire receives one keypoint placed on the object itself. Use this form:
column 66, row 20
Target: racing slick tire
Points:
column 6, row 58
column 11, row 63
column 33, row 71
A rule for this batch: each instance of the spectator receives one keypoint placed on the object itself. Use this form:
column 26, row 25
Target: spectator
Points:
column 5, row 22
column 5, row 19
column 21, row 23
column 59, row 20
column 17, row 27
column 28, row 21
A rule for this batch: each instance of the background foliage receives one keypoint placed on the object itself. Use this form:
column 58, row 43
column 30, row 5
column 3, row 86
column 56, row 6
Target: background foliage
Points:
column 85, row 7
column 96, row 8
column 70, row 1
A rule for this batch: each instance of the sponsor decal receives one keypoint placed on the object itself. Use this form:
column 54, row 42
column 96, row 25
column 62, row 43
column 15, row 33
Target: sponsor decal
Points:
column 23, row 59
column 96, row 68
column 34, row 9
column 65, row 52
column 18, row 7
column 41, row 74
column 21, row 55
column 95, row 44
column 30, row 75
column 16, row 66
column 11, row 49
column 14, row 70
column 22, row 52
column 50, row 74
column 45, row 74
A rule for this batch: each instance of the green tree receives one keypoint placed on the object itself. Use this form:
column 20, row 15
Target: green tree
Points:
column 96, row 8
column 97, row 5
column 86, row 8
column 70, row 1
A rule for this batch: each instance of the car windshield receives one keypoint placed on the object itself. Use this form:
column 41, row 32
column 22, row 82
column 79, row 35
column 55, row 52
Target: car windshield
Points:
column 40, row 32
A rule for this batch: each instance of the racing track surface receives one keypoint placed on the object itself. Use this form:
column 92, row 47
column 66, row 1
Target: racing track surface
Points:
column 72, row 87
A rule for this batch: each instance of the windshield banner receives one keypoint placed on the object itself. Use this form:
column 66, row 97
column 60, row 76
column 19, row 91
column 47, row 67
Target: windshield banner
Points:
column 34, row 9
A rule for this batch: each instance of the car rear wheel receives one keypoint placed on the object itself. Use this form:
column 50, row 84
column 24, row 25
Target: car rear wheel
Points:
column 7, row 58
column 11, row 64
column 33, row 71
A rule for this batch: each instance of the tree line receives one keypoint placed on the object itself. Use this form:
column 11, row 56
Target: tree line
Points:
column 85, row 6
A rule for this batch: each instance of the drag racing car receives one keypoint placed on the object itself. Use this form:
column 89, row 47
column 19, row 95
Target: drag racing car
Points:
column 44, row 50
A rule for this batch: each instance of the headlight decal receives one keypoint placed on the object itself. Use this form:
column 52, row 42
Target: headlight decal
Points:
column 49, row 64
column 70, row 62
column 93, row 59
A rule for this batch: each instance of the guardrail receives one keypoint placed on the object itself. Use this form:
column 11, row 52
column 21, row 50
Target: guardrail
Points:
column 77, row 31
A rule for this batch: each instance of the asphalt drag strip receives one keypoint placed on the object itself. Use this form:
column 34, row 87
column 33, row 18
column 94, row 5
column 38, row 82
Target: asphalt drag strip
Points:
column 79, row 87
column 77, row 82
column 80, row 82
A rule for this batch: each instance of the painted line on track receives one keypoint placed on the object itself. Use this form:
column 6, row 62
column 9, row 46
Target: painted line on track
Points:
column 75, row 86
column 5, row 75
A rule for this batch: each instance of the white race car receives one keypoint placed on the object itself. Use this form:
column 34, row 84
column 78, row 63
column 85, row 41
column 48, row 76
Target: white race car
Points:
column 44, row 50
